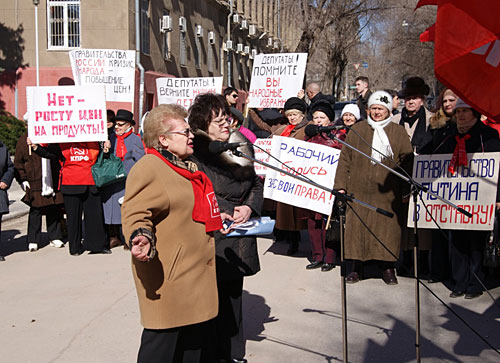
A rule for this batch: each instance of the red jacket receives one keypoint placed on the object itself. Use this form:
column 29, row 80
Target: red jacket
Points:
column 78, row 160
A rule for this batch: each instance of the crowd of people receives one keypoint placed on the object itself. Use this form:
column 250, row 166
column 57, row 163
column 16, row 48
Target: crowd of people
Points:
column 175, row 208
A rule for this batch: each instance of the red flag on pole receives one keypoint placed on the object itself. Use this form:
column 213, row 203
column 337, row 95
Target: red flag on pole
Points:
column 467, row 50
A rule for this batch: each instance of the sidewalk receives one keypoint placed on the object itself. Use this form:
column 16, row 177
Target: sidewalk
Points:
column 16, row 208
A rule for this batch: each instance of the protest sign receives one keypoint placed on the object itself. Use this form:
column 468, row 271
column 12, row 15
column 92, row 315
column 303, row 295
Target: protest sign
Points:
column 276, row 78
column 261, row 155
column 184, row 90
column 314, row 161
column 472, row 187
column 66, row 114
column 112, row 68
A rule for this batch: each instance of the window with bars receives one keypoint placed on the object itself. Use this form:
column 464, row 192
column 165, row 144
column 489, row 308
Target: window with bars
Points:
column 145, row 26
column 182, row 49
column 210, row 58
column 63, row 19
column 166, row 40
column 197, row 51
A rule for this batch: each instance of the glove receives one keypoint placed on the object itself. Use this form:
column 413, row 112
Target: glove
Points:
column 25, row 185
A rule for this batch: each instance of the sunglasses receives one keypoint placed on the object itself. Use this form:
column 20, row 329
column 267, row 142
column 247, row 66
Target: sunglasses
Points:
column 185, row 132
column 121, row 124
column 234, row 96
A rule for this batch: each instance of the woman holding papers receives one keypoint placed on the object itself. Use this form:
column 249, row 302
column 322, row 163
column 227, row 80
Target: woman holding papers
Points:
column 239, row 195
column 468, row 135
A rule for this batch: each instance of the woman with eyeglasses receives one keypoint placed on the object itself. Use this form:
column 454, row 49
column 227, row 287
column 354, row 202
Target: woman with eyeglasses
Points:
column 127, row 146
column 239, row 193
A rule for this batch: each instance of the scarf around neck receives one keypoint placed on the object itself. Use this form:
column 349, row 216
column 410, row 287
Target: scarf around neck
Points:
column 121, row 148
column 459, row 157
column 381, row 148
column 206, row 209
column 420, row 136
column 288, row 130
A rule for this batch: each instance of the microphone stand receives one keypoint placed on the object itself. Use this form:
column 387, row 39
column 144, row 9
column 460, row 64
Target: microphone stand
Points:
column 416, row 188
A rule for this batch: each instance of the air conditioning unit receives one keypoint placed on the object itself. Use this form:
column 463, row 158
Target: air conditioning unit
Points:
column 253, row 54
column 270, row 42
column 211, row 37
column 182, row 24
column 252, row 30
column 229, row 45
column 166, row 24
column 246, row 50
column 199, row 31
column 244, row 24
column 239, row 48
column 236, row 18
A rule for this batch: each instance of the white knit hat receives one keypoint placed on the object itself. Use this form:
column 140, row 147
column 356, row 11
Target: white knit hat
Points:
column 351, row 108
column 381, row 98
column 461, row 104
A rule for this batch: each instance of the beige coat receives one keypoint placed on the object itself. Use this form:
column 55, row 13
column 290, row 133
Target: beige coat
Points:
column 178, row 287
column 410, row 130
column 377, row 186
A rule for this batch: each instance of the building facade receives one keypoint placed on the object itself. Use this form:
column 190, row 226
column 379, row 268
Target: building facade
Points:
column 191, row 38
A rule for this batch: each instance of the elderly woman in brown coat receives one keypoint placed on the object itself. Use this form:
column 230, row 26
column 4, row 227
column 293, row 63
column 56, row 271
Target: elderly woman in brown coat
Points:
column 169, row 215
column 375, row 185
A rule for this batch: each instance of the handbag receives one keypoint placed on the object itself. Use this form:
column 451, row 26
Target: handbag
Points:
column 108, row 170
column 492, row 250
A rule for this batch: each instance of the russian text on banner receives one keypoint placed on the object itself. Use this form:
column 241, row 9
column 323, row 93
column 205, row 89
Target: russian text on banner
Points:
column 276, row 78
column 183, row 91
column 473, row 188
column 262, row 155
column 66, row 114
column 314, row 161
column 112, row 68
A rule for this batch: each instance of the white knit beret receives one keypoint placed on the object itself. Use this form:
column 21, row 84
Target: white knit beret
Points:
column 381, row 98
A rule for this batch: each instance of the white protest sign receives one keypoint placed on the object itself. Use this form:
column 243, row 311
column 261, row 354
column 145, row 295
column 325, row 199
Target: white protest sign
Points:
column 184, row 90
column 261, row 155
column 276, row 78
column 314, row 161
column 66, row 114
column 112, row 68
column 473, row 188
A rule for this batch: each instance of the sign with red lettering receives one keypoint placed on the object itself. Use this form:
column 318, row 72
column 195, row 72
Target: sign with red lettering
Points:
column 313, row 161
column 184, row 90
column 262, row 149
column 66, row 114
column 276, row 78
column 472, row 187
column 113, row 68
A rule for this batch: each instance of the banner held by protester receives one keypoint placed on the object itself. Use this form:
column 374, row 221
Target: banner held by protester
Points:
column 276, row 78
column 61, row 114
column 183, row 91
column 472, row 187
column 112, row 68
column 261, row 155
column 314, row 161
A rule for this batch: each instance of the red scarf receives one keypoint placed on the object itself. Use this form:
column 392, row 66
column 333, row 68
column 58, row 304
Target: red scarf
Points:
column 120, row 148
column 288, row 130
column 459, row 155
column 206, row 209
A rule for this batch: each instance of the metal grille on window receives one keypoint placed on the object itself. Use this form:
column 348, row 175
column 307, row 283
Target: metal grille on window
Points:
column 166, row 40
column 182, row 53
column 63, row 18
column 145, row 26
column 197, row 52
column 210, row 58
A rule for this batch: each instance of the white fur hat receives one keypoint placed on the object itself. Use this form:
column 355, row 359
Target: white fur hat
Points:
column 461, row 104
column 351, row 108
column 381, row 98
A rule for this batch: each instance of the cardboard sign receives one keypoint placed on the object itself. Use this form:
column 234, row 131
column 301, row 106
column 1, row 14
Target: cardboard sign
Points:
column 314, row 161
column 112, row 68
column 183, row 91
column 262, row 155
column 276, row 78
column 473, row 188
column 66, row 114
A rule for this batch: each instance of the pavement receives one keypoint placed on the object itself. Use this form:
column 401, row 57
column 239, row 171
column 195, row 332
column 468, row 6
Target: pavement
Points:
column 16, row 207
column 57, row 308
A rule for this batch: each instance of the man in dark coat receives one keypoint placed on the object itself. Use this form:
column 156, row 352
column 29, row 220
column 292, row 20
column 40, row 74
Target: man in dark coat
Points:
column 6, row 176
column 363, row 89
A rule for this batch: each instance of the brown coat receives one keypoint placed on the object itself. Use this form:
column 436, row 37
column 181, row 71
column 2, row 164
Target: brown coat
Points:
column 29, row 168
column 178, row 287
column 377, row 186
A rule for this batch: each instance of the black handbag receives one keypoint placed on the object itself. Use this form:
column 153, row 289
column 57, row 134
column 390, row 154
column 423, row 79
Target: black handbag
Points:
column 492, row 250
column 108, row 170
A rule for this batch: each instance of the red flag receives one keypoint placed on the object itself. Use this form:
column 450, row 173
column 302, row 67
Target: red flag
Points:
column 467, row 50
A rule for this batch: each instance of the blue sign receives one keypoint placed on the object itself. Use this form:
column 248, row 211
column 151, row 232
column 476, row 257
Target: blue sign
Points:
column 364, row 65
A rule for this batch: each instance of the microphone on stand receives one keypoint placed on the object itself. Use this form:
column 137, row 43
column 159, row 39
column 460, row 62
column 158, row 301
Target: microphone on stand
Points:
column 313, row 130
column 217, row 147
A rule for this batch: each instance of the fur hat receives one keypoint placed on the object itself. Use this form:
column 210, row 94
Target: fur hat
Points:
column 353, row 109
column 414, row 86
column 325, row 107
column 461, row 104
column 381, row 98
column 295, row 103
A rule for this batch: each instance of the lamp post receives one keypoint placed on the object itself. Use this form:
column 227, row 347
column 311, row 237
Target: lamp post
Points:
column 36, row 3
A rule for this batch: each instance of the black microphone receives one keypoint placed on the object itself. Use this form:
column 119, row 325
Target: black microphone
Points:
column 217, row 147
column 312, row 130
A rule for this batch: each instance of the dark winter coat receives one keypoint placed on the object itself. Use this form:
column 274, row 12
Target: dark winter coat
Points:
column 235, row 183
column 29, row 168
column 6, row 176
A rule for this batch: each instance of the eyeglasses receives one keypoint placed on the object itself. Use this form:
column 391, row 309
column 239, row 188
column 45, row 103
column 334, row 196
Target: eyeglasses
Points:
column 121, row 124
column 185, row 132
column 226, row 120
column 234, row 96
